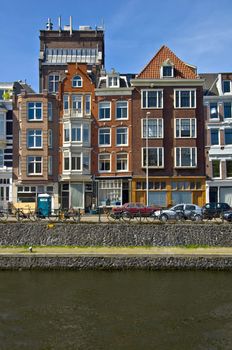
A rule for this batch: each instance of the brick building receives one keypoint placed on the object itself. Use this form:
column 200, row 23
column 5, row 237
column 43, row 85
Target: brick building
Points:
column 168, row 132
column 218, row 111
column 67, row 45
column 112, row 139
column 36, row 145
column 77, row 110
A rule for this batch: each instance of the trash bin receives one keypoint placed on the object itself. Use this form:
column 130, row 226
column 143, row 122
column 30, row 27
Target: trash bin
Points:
column 44, row 205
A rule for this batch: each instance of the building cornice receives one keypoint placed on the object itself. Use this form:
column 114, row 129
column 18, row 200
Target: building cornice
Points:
column 167, row 82
column 113, row 92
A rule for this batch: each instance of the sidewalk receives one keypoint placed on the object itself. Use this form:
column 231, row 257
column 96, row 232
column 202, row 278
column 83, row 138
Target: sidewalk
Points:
column 113, row 251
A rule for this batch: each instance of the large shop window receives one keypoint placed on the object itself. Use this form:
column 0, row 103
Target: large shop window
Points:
column 110, row 192
column 157, row 198
column 77, row 195
column 181, row 197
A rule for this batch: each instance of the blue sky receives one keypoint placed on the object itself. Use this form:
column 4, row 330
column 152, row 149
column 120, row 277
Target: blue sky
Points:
column 199, row 32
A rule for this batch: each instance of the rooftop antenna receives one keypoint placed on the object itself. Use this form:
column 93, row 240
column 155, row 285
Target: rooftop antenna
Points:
column 49, row 24
column 70, row 22
column 59, row 23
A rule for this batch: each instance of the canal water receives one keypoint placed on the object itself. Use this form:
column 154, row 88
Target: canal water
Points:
column 115, row 310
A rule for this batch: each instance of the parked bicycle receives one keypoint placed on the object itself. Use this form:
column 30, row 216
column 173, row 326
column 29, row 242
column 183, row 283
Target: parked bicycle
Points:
column 4, row 215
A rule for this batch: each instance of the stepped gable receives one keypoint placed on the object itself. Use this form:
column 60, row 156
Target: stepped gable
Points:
column 152, row 69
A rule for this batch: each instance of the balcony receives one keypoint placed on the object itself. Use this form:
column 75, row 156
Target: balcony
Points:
column 73, row 113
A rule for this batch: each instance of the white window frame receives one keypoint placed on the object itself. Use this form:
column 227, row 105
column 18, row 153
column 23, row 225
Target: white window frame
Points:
column 219, row 138
column 143, row 160
column 116, row 109
column 88, row 96
column 35, row 108
column 157, row 99
column 76, row 155
column 77, row 126
column 228, row 92
column 217, row 118
column 191, row 157
column 103, row 145
column 220, row 169
column 77, row 99
column 192, row 121
column 127, row 136
column 144, row 121
column 121, row 154
column 1, row 158
column 75, row 79
column 104, row 154
column 112, row 78
column 34, row 136
column 54, row 82
column 99, row 108
column 190, row 90
column 66, row 155
column 3, row 126
column 227, row 118
column 66, row 127
column 162, row 71
column 35, row 162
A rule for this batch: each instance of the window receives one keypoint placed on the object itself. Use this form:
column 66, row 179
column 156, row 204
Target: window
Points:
column 2, row 126
column 87, row 104
column 226, row 86
column 121, row 110
column 104, row 111
column 185, row 98
column 227, row 110
column 152, row 99
column 50, row 138
column 216, row 168
column 86, row 162
column 185, row 157
column 77, row 81
column 113, row 81
column 34, row 111
column 66, row 161
column 152, row 128
column 66, row 102
column 104, row 162
column 49, row 165
column 50, row 111
column 76, row 162
column 77, row 103
column 228, row 136
column 34, row 138
column 122, row 162
column 122, row 136
column 185, row 127
column 1, row 158
column 53, row 83
column 213, row 107
column 229, row 168
column 155, row 157
column 86, row 133
column 104, row 137
column 167, row 71
column 34, row 165
column 66, row 133
column 214, row 136
column 76, row 133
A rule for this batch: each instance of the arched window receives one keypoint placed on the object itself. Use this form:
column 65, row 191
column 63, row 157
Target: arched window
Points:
column 77, row 81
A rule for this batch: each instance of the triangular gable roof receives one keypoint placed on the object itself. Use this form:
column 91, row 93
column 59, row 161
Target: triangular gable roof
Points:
column 152, row 69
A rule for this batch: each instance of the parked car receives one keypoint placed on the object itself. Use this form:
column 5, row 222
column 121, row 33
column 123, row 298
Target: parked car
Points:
column 215, row 210
column 180, row 211
column 131, row 210
column 227, row 215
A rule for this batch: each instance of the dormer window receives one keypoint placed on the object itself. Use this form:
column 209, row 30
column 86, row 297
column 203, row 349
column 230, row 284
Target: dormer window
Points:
column 77, row 81
column 113, row 81
column 226, row 86
column 167, row 69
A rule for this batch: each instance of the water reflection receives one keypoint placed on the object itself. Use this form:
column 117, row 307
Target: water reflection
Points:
column 115, row 310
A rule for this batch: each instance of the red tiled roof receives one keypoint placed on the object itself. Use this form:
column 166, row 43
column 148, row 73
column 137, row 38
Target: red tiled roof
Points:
column 152, row 69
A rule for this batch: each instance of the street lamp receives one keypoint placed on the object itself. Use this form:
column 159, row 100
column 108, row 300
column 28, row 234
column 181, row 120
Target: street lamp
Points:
column 147, row 178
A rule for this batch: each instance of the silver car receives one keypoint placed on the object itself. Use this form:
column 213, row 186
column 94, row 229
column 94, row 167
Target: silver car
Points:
column 180, row 212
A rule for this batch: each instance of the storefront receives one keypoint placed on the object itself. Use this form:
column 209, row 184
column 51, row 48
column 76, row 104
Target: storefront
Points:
column 113, row 192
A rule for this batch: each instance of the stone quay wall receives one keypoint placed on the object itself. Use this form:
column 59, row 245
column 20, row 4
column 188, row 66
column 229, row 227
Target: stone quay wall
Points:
column 35, row 234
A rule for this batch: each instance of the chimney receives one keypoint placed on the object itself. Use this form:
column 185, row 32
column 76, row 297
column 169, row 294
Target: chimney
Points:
column 49, row 24
column 59, row 23
column 70, row 25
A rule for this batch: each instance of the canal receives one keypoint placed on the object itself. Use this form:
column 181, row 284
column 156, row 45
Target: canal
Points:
column 170, row 310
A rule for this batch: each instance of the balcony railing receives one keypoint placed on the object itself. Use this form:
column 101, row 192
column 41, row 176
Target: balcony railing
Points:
column 71, row 112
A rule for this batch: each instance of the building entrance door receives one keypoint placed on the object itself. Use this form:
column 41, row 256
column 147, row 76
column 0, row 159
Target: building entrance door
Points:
column 213, row 194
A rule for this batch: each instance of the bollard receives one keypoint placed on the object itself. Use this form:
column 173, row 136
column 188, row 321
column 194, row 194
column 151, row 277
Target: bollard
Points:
column 79, row 216
column 99, row 215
